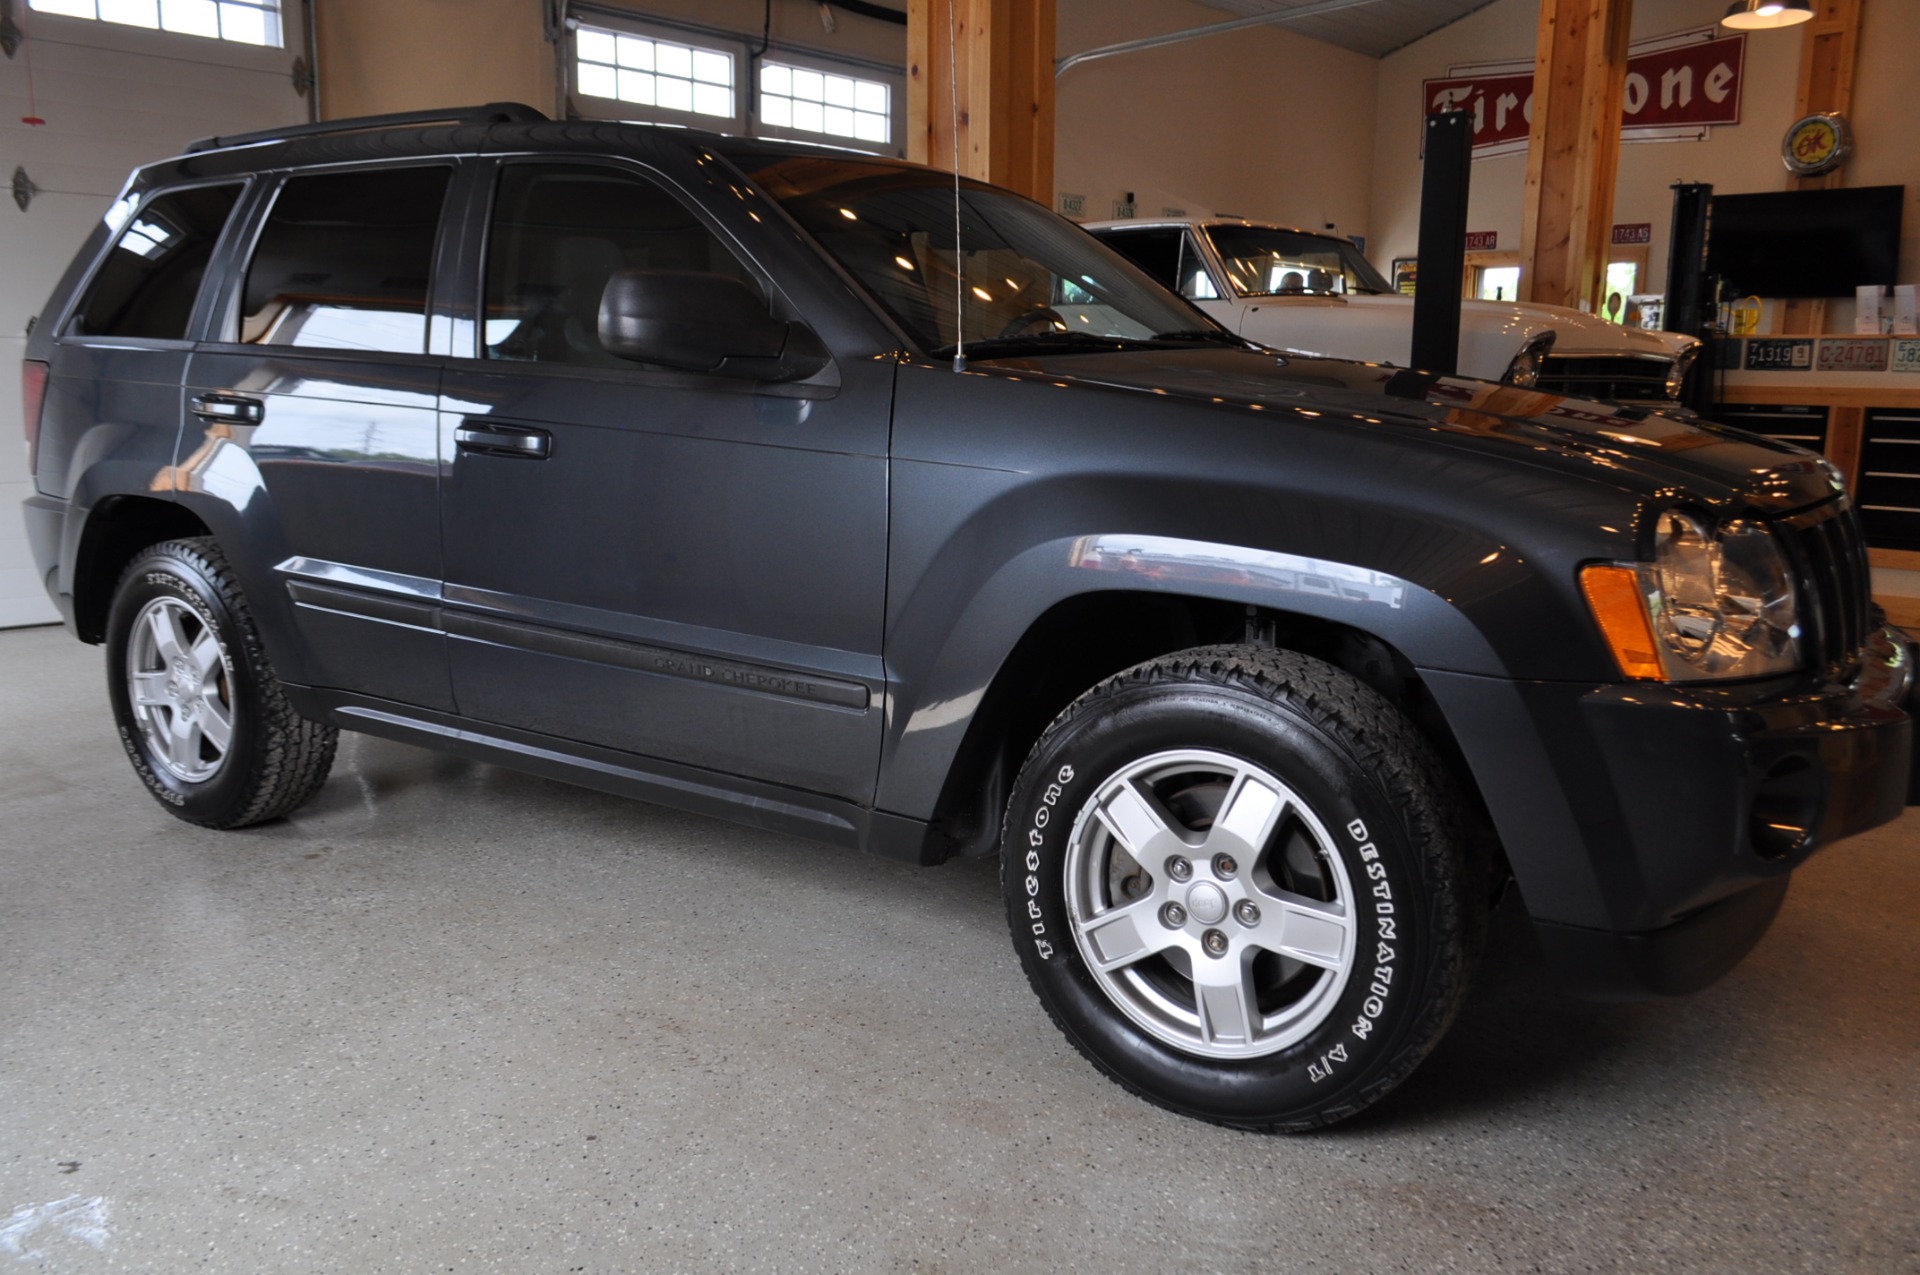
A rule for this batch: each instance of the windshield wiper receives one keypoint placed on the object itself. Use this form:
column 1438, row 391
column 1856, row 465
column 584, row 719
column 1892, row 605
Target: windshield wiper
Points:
column 1044, row 341
column 1211, row 335
column 1073, row 342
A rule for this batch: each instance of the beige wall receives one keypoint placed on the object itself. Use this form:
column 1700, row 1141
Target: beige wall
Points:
column 378, row 56
column 404, row 55
column 1736, row 159
column 1263, row 123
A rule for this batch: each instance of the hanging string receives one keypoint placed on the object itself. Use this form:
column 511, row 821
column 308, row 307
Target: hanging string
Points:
column 32, row 117
column 959, row 261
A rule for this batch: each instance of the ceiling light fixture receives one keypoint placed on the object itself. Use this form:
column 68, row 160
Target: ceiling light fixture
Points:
column 1761, row 15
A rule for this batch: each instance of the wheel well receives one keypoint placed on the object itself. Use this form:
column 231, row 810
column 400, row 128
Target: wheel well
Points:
column 118, row 529
column 1085, row 639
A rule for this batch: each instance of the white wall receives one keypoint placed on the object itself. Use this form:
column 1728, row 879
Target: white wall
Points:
column 1735, row 159
column 113, row 97
column 1261, row 123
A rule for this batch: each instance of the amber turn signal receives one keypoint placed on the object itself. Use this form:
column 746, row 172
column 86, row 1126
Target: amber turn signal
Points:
column 1614, row 594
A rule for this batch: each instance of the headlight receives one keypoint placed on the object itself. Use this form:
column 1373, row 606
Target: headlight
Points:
column 1524, row 371
column 1714, row 603
column 1677, row 372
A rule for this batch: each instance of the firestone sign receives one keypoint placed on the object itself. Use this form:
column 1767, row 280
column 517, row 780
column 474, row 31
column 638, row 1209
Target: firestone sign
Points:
column 1678, row 86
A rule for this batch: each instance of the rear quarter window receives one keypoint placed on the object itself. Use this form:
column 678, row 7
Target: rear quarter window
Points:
column 151, row 277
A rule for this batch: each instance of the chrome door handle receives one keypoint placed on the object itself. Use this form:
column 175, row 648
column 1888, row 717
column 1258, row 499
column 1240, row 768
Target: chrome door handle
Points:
column 229, row 407
column 504, row 440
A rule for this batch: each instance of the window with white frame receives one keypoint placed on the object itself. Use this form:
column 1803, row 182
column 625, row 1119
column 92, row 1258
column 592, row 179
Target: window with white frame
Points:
column 810, row 101
column 241, row 21
column 646, row 71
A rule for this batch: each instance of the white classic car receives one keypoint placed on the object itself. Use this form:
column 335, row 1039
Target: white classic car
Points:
column 1316, row 294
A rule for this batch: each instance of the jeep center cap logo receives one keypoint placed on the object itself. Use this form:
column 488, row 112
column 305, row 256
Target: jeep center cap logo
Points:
column 1207, row 903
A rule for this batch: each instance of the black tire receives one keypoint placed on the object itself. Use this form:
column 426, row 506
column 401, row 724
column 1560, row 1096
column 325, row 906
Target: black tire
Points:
column 1376, row 868
column 264, row 760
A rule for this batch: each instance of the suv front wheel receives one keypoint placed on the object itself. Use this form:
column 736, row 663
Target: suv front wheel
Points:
column 199, row 711
column 1237, row 880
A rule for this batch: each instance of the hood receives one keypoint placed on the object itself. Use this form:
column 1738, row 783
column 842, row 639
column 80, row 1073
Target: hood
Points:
column 1576, row 332
column 1630, row 448
column 1573, row 331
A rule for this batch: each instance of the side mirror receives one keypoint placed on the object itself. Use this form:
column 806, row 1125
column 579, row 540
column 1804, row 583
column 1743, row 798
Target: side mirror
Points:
column 703, row 323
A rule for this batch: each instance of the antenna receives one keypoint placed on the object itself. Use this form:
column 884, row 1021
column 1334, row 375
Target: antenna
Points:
column 959, row 261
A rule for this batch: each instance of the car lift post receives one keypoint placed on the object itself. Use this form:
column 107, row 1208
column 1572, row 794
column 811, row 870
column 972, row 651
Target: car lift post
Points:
column 1443, row 242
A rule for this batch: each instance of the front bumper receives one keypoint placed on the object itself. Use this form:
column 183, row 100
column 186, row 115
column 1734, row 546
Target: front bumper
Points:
column 1652, row 829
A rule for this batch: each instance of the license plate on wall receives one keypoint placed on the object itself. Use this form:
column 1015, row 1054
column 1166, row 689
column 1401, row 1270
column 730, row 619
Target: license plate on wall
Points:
column 1853, row 356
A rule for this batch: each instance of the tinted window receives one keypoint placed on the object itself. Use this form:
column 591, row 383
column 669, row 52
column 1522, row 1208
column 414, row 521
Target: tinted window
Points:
column 1023, row 279
column 147, row 285
column 343, row 262
column 1195, row 281
column 1155, row 251
column 559, row 233
column 1262, row 261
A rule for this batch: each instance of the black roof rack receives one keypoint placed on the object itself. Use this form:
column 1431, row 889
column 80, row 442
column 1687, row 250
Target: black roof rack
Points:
column 491, row 113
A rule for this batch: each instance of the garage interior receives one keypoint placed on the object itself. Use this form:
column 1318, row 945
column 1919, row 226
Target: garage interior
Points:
column 450, row 1015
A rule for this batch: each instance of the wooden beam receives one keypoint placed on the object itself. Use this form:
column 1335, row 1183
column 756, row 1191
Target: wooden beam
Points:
column 1573, row 150
column 1829, row 46
column 1003, row 110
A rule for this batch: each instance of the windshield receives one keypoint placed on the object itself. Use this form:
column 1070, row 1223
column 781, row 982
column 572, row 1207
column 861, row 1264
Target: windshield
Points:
column 1263, row 262
column 1027, row 278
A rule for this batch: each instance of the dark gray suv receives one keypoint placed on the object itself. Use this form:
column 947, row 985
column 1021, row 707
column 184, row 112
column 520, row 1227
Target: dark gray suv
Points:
column 826, row 494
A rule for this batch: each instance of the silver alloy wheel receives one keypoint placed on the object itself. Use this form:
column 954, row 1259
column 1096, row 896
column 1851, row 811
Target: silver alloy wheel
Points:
column 179, row 689
column 1210, row 904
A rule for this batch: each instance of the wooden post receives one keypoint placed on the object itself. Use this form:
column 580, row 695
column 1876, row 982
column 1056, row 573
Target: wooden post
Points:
column 1004, row 106
column 1573, row 150
column 1828, row 45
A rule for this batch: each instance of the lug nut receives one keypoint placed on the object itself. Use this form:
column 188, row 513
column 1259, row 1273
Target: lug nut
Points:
column 1246, row 913
column 1215, row 942
column 1224, row 866
column 1179, row 869
column 1173, row 916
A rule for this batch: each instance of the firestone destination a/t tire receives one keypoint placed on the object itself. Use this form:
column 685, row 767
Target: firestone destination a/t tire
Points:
column 1236, row 878
column 200, row 713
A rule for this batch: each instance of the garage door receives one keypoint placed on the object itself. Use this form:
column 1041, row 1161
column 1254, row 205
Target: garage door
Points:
column 113, row 96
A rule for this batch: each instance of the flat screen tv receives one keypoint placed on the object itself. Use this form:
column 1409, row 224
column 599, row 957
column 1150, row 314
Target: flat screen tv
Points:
column 1806, row 243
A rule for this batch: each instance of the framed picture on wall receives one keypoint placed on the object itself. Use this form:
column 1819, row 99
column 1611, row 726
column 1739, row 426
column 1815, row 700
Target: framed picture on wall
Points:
column 1405, row 275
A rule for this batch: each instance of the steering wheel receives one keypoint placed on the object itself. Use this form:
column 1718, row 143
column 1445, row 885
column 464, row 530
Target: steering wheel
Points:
column 1041, row 317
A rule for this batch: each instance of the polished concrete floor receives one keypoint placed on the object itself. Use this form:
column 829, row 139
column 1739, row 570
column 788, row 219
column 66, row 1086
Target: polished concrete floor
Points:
column 453, row 1018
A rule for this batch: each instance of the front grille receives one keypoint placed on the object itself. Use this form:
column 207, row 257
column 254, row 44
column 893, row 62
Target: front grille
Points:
column 1630, row 377
column 1831, row 551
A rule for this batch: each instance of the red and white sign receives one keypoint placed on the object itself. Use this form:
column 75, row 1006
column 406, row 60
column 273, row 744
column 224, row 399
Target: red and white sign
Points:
column 1677, row 87
column 1626, row 233
column 1482, row 240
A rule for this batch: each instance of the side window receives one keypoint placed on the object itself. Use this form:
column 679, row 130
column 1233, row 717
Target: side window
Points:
column 559, row 232
column 343, row 262
column 147, row 285
column 1155, row 251
column 1195, row 283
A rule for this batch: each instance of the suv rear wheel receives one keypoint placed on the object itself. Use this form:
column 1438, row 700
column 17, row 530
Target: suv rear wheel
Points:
column 200, row 713
column 1236, row 879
